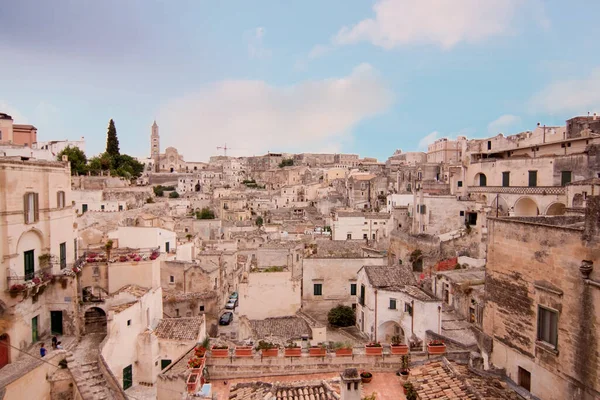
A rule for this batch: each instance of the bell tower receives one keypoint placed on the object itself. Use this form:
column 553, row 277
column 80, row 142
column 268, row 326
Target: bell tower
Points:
column 155, row 145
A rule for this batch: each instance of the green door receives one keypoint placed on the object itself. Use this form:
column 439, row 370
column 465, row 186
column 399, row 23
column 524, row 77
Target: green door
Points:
column 164, row 364
column 29, row 264
column 167, row 248
column 84, row 208
column 127, row 377
column 63, row 255
column 34, row 329
column 56, row 322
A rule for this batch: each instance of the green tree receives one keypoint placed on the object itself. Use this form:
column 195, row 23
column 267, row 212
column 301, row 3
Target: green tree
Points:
column 112, row 143
column 286, row 162
column 259, row 221
column 341, row 316
column 77, row 159
column 173, row 195
column 127, row 166
column 205, row 213
column 103, row 162
column 159, row 191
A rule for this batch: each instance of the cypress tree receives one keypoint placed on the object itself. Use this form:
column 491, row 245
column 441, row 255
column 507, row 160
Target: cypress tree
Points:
column 112, row 143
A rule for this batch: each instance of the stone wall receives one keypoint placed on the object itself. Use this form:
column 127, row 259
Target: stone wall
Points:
column 531, row 265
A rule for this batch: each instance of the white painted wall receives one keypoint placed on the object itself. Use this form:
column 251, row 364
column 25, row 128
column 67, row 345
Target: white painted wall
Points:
column 269, row 294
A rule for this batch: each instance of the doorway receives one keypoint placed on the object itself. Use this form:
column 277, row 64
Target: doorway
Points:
column 4, row 350
column 29, row 264
column 525, row 379
column 127, row 377
column 34, row 329
column 56, row 322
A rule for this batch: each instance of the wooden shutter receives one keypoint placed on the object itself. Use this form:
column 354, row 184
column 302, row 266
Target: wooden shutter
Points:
column 36, row 207
column 25, row 207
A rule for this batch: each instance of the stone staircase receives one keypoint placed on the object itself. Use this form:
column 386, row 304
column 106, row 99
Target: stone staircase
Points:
column 83, row 364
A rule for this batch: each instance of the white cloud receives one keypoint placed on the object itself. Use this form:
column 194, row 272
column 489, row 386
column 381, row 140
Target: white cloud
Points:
column 427, row 140
column 439, row 22
column 255, row 41
column 254, row 117
column 318, row 51
column 572, row 95
column 16, row 115
column 503, row 123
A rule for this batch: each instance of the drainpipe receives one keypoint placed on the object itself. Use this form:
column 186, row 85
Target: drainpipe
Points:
column 375, row 315
column 412, row 317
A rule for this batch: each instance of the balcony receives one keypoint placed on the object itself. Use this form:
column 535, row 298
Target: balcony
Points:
column 543, row 190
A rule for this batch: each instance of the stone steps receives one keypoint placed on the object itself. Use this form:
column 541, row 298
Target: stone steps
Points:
column 86, row 371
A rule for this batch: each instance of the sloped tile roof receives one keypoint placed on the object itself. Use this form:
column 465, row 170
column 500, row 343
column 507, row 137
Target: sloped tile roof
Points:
column 282, row 327
column 389, row 276
column 179, row 328
column 310, row 390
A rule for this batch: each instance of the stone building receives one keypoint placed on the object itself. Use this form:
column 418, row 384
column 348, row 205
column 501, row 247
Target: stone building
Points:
column 446, row 151
column 16, row 134
column 541, row 311
column 350, row 225
column 38, row 245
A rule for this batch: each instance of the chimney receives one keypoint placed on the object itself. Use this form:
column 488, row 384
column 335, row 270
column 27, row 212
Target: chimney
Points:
column 594, row 117
column 351, row 384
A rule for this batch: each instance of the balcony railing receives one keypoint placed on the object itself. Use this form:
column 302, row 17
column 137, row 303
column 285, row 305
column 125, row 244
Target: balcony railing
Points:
column 37, row 277
column 557, row 190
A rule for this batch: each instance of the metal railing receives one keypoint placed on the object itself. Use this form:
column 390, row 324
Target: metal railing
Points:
column 543, row 190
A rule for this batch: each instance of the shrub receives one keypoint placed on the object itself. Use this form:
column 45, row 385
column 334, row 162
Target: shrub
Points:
column 173, row 195
column 205, row 213
column 341, row 316
column 159, row 191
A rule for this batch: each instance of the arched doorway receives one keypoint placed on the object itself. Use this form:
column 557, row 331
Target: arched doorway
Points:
column 480, row 180
column 578, row 200
column 526, row 207
column 172, row 169
column 388, row 329
column 95, row 320
column 556, row 209
column 499, row 206
column 4, row 350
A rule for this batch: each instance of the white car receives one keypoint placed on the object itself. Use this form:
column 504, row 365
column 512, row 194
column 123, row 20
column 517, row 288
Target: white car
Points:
column 231, row 304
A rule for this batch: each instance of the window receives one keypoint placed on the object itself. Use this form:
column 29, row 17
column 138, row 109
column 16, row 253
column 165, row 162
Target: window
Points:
column 532, row 178
column 318, row 289
column 349, row 236
column 201, row 308
column 365, row 223
column 353, row 289
column 120, row 207
column 63, row 255
column 462, row 213
column 60, row 199
column 128, row 322
column 547, row 326
column 408, row 308
column 177, row 312
column 365, row 236
column 31, row 207
column 167, row 248
column 489, row 145
column 29, row 264
column 171, row 279
column 565, row 177
column 102, row 207
column 361, row 300
column 84, row 208
column 459, row 183
column 392, row 304
column 506, row 179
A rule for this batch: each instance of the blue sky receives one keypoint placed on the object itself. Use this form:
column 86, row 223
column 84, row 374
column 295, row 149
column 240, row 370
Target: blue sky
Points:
column 364, row 77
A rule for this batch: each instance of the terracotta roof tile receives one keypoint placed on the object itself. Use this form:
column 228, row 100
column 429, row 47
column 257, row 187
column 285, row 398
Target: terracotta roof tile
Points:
column 179, row 328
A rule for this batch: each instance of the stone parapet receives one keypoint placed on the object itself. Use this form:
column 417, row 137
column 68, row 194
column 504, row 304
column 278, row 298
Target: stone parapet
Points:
column 543, row 190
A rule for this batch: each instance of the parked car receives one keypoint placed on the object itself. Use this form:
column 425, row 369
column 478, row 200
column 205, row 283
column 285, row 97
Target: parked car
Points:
column 231, row 304
column 233, row 295
column 226, row 318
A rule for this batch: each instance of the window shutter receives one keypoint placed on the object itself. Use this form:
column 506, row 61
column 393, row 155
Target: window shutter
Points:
column 25, row 207
column 36, row 207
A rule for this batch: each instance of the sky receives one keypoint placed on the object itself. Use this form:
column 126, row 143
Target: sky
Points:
column 364, row 77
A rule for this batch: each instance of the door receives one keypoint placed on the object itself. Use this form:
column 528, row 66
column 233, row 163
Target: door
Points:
column 63, row 255
column 4, row 350
column 167, row 248
column 84, row 208
column 525, row 379
column 127, row 377
column 362, row 321
column 34, row 329
column 29, row 262
column 56, row 322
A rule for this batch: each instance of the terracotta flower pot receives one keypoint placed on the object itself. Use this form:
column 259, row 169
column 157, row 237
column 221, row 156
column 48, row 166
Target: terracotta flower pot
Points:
column 219, row 353
column 243, row 351
column 374, row 351
column 436, row 349
column 192, row 382
column 343, row 352
column 270, row 352
column 366, row 379
column 293, row 352
column 317, row 352
column 399, row 349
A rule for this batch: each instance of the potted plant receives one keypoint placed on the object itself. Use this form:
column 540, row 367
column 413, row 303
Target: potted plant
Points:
column 409, row 391
column 196, row 363
column 267, row 349
column 366, row 377
column 243, row 351
column 292, row 350
column 44, row 260
column 108, row 247
column 220, row 351
column 436, row 347
column 319, row 350
column 405, row 368
column 342, row 349
column 406, row 386
column 374, row 349
column 397, row 347
column 192, row 382
column 36, row 281
column 16, row 289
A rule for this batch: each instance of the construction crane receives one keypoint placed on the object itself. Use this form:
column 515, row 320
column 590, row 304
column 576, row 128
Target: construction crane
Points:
column 224, row 148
